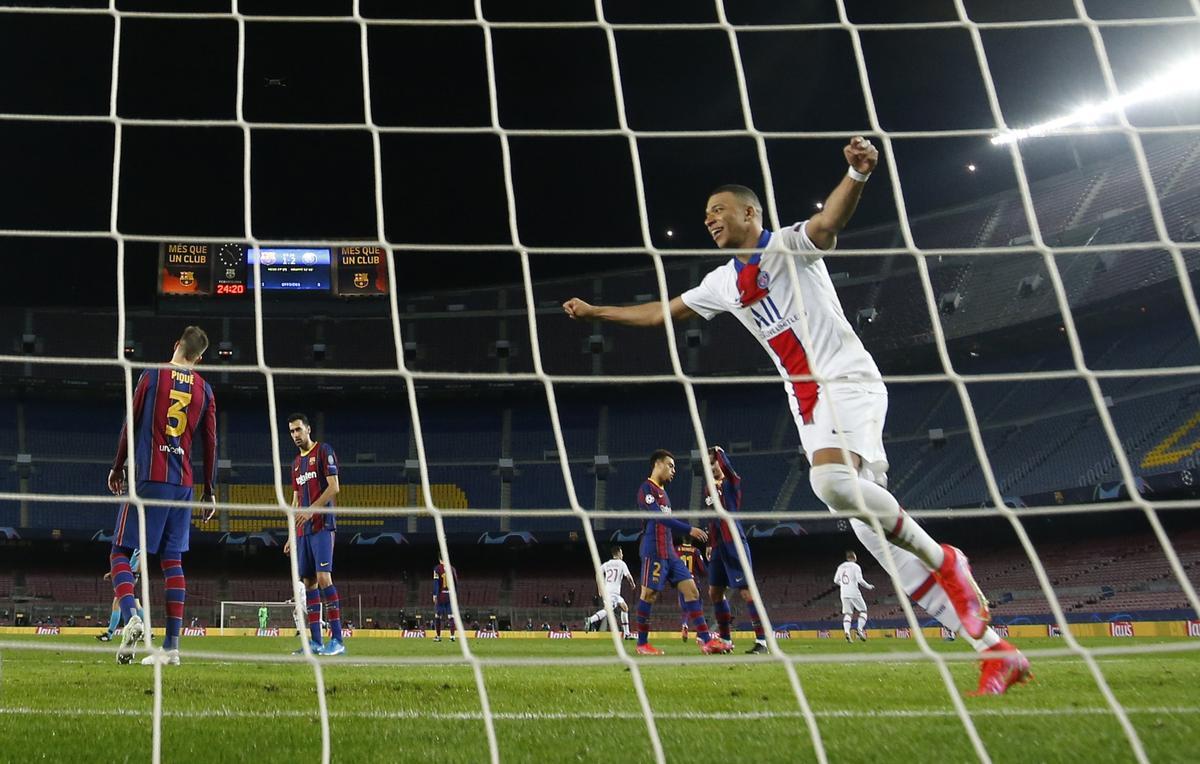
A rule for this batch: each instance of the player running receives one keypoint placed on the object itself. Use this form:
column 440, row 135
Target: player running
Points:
column 661, row 565
column 615, row 573
column 756, row 287
column 315, row 483
column 724, row 566
column 441, row 599
column 169, row 406
column 849, row 578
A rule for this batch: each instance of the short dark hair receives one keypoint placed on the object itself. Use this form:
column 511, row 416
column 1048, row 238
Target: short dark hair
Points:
column 297, row 416
column 850, row 555
column 614, row 551
column 659, row 455
column 193, row 342
column 744, row 194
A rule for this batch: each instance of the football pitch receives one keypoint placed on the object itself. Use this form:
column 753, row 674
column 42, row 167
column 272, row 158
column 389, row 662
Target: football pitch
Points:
column 68, row 704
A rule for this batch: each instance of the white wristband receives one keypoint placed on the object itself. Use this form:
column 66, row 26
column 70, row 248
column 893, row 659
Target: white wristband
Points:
column 856, row 175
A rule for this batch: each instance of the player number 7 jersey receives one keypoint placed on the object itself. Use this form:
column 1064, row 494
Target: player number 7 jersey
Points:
column 774, row 312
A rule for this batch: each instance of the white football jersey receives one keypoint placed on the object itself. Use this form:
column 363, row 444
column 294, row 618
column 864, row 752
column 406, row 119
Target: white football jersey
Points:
column 834, row 350
column 614, row 573
column 849, row 578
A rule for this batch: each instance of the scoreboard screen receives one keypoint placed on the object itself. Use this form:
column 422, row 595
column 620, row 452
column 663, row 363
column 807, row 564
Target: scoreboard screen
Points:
column 221, row 270
column 291, row 269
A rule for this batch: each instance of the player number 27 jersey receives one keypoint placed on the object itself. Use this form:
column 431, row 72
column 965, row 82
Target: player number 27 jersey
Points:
column 614, row 573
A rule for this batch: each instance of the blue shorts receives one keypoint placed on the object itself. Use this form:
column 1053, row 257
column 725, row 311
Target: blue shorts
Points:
column 442, row 610
column 725, row 569
column 657, row 572
column 168, row 526
column 314, row 554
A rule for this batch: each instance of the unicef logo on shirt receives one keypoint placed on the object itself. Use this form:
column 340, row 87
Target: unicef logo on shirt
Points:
column 763, row 279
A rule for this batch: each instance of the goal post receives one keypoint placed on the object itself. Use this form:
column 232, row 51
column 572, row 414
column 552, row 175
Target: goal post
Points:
column 233, row 610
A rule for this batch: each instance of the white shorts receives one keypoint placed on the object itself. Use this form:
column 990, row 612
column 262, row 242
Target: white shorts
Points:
column 861, row 407
column 617, row 602
column 853, row 605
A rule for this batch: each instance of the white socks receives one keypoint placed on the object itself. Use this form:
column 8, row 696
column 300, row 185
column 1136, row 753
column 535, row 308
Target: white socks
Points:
column 862, row 621
column 838, row 485
column 913, row 576
column 846, row 624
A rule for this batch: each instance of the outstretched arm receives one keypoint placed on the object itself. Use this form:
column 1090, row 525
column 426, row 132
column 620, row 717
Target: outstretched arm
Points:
column 839, row 207
column 646, row 314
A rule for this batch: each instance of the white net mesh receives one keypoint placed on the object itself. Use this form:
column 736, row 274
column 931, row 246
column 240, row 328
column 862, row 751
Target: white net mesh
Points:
column 907, row 245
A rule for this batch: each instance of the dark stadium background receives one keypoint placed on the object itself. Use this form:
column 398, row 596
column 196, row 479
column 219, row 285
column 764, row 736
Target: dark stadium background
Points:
column 177, row 181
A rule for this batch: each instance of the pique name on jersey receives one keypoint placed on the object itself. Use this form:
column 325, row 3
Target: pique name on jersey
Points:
column 304, row 477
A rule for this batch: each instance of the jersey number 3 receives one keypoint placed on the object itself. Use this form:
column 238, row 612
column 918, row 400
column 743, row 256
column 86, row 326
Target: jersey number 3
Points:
column 177, row 413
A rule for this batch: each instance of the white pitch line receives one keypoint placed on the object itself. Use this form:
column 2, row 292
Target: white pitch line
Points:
column 228, row 713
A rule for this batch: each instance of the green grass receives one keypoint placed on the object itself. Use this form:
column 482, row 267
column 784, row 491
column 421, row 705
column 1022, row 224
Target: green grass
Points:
column 63, row 705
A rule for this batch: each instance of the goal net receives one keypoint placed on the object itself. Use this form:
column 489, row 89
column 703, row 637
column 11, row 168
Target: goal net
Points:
column 579, row 141
column 264, row 619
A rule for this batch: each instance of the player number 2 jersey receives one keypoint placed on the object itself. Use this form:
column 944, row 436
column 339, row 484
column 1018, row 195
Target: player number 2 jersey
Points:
column 311, row 471
column 658, row 541
column 774, row 310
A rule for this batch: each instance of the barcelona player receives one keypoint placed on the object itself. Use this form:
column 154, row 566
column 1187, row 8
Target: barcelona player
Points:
column 725, row 567
column 693, row 558
column 169, row 406
column 441, row 599
column 114, row 620
column 661, row 564
column 315, row 483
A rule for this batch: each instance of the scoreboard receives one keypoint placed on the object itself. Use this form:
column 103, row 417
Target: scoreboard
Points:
column 222, row 270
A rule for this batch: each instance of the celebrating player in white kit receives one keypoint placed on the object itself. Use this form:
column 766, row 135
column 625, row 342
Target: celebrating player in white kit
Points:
column 849, row 578
column 615, row 572
column 834, row 388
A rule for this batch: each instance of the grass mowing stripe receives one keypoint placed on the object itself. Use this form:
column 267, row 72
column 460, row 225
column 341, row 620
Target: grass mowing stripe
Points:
column 846, row 713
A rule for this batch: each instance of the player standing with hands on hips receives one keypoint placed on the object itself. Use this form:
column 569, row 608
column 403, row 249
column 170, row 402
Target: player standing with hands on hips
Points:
column 825, row 365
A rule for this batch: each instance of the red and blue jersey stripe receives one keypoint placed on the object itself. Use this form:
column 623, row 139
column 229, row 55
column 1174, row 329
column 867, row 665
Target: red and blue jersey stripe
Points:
column 441, row 587
column 731, row 499
column 657, row 537
column 169, row 406
column 311, row 471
